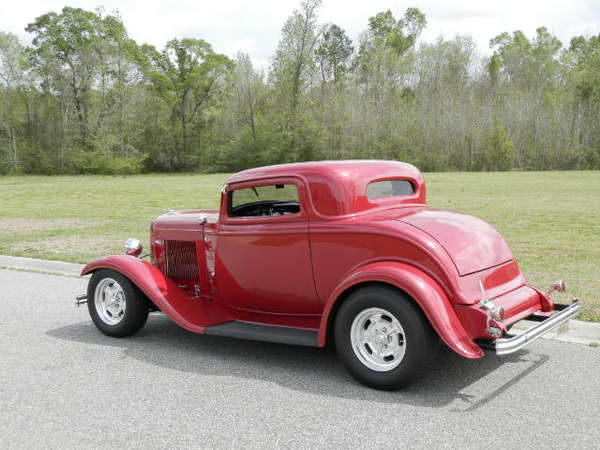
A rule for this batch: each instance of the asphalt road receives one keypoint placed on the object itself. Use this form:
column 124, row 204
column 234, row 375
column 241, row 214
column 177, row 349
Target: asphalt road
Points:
column 65, row 385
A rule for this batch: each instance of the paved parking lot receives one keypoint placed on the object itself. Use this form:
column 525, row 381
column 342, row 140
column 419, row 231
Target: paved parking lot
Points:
column 65, row 385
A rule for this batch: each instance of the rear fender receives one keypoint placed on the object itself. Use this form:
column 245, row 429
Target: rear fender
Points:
column 423, row 289
column 190, row 313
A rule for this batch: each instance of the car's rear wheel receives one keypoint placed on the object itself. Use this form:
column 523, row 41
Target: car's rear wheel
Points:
column 382, row 337
column 116, row 305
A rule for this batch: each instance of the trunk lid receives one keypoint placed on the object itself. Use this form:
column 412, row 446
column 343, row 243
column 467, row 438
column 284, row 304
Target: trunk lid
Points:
column 473, row 244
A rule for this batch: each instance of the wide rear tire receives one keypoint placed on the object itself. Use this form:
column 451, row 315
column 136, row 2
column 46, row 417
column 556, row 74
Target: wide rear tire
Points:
column 382, row 337
column 117, row 307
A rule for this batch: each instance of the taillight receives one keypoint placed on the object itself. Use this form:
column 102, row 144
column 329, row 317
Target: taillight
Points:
column 557, row 286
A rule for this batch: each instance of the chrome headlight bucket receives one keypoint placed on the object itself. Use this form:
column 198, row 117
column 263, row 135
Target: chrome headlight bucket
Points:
column 133, row 247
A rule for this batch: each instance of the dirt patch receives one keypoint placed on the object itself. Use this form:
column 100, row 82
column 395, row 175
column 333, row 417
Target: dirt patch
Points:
column 98, row 245
column 20, row 225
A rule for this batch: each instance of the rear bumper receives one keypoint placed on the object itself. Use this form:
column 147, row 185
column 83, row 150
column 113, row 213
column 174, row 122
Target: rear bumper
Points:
column 513, row 342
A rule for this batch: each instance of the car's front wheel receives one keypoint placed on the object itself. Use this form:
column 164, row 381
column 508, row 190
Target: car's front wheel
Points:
column 117, row 307
column 382, row 337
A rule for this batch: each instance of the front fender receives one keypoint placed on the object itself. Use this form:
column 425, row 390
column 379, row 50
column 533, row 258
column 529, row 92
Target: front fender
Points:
column 184, row 310
column 423, row 289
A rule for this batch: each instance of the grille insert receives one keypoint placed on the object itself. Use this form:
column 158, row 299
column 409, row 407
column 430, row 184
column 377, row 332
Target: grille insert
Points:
column 181, row 260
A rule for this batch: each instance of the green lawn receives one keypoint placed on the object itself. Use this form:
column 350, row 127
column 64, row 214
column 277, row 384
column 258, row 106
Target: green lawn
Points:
column 551, row 219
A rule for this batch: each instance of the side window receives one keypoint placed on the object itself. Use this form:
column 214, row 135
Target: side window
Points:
column 271, row 200
column 390, row 188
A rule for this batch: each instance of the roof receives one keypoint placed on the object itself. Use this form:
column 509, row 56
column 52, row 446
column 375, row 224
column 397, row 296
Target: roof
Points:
column 340, row 187
column 357, row 168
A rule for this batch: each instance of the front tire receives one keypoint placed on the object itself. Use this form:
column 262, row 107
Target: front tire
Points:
column 117, row 307
column 382, row 337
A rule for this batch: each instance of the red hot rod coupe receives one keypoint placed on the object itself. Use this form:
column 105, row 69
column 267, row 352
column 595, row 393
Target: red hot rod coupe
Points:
column 342, row 251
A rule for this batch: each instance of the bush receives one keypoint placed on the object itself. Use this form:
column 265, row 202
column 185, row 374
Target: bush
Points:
column 100, row 163
column 500, row 150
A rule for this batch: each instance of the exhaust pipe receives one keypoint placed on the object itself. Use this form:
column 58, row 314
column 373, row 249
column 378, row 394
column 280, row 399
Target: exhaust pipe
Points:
column 81, row 300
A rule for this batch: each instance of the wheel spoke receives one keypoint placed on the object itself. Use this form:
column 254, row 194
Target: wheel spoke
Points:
column 392, row 350
column 111, row 290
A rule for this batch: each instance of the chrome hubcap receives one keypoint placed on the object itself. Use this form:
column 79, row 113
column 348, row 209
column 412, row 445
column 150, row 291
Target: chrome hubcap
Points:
column 109, row 300
column 378, row 339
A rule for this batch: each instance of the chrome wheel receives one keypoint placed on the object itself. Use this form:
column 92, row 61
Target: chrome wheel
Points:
column 378, row 339
column 109, row 300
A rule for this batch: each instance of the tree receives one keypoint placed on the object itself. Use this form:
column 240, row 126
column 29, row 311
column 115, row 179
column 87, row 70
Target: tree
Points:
column 245, row 125
column 527, row 63
column 399, row 35
column 12, row 76
column 386, row 42
column 333, row 53
column 292, row 75
column 582, row 66
column 80, row 58
column 525, row 76
column 85, row 98
column 249, row 88
column 441, row 98
column 191, row 78
column 64, row 52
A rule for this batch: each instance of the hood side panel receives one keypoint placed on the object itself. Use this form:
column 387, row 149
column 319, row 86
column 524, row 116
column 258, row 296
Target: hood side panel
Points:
column 190, row 220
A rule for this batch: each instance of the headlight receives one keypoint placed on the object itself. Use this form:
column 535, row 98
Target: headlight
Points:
column 133, row 247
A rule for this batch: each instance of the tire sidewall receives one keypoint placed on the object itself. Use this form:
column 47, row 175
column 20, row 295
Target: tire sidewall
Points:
column 136, row 309
column 415, row 330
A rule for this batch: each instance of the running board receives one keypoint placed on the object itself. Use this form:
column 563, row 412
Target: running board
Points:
column 265, row 333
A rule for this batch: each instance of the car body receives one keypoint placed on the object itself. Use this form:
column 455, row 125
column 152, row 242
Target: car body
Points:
column 292, row 244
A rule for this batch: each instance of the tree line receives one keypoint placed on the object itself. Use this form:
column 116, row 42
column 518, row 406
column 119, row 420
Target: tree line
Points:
column 84, row 97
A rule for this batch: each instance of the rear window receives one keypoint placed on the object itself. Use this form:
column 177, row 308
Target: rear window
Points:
column 390, row 188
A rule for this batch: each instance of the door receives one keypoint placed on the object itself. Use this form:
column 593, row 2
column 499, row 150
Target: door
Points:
column 263, row 259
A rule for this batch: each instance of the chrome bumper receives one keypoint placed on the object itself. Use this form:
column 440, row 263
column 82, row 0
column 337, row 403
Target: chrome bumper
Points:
column 512, row 343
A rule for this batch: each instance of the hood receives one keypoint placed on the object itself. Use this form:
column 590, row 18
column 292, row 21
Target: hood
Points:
column 472, row 244
column 191, row 219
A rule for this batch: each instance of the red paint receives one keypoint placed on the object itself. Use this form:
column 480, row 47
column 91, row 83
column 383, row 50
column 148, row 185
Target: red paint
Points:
column 264, row 263
column 191, row 314
column 423, row 289
column 472, row 244
column 518, row 304
column 292, row 270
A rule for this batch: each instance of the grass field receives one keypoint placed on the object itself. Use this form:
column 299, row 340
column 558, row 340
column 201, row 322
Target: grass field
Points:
column 551, row 219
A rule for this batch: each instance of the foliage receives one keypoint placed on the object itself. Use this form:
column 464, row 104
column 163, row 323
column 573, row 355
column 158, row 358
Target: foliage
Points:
column 190, row 78
column 85, row 98
column 333, row 53
column 12, row 81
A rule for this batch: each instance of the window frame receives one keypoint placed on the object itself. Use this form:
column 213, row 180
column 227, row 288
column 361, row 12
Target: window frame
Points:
column 387, row 197
column 295, row 217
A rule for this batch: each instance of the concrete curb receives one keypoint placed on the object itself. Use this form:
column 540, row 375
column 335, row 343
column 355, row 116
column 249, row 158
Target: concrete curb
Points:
column 40, row 266
column 576, row 331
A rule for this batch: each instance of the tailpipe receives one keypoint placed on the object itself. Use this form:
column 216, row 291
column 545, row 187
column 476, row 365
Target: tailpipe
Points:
column 80, row 300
